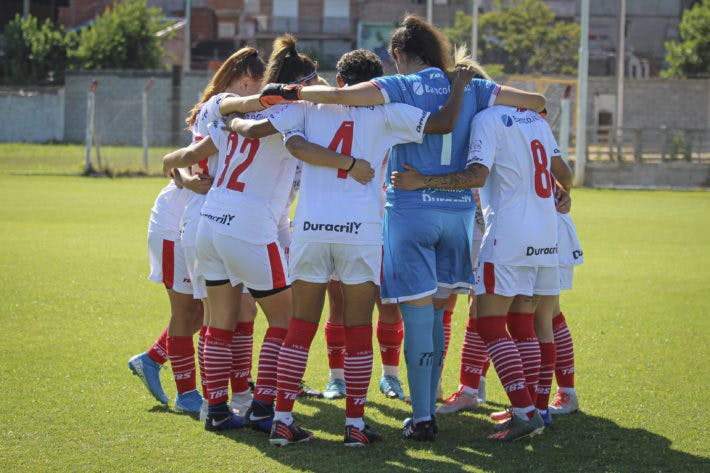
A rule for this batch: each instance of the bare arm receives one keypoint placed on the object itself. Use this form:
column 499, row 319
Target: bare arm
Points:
column 520, row 98
column 445, row 120
column 251, row 128
column 473, row 176
column 364, row 93
column 317, row 155
column 562, row 172
column 193, row 154
column 231, row 105
column 197, row 183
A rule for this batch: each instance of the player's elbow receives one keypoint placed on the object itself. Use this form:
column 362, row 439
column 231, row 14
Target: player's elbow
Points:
column 538, row 102
column 477, row 175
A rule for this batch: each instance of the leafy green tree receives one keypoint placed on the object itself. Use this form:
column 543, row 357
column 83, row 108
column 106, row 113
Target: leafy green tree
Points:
column 523, row 36
column 690, row 57
column 123, row 37
column 34, row 53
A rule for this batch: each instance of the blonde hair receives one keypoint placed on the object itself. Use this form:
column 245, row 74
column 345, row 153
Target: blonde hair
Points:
column 286, row 64
column 246, row 61
column 461, row 58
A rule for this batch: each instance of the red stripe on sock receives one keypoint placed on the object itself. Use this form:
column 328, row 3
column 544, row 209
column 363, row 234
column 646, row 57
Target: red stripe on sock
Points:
column 564, row 366
column 358, row 368
column 335, row 341
column 201, row 359
column 474, row 355
column 181, row 351
column 218, row 363
column 522, row 329
column 158, row 352
column 292, row 362
column 547, row 369
column 265, row 387
column 447, row 332
column 242, row 348
column 389, row 337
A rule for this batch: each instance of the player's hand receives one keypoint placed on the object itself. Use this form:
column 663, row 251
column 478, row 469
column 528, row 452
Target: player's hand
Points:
column 229, row 122
column 273, row 94
column 463, row 74
column 408, row 180
column 199, row 183
column 167, row 168
column 174, row 174
column 563, row 202
column 362, row 172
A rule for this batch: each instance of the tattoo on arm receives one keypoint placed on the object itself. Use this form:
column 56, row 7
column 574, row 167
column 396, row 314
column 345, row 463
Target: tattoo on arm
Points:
column 473, row 176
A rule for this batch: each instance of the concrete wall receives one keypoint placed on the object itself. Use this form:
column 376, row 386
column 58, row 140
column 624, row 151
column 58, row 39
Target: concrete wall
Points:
column 33, row 115
column 668, row 174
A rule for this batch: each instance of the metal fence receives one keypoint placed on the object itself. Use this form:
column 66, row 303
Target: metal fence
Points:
column 648, row 145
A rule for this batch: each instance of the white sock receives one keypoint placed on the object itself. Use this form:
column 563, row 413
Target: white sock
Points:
column 469, row 391
column 284, row 417
column 566, row 390
column 355, row 422
column 337, row 373
column 390, row 371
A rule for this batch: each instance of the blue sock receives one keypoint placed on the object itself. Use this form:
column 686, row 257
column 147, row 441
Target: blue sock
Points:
column 418, row 354
column 439, row 340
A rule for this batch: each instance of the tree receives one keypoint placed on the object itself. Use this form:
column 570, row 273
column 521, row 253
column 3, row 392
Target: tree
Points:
column 35, row 54
column 121, row 38
column 690, row 57
column 523, row 36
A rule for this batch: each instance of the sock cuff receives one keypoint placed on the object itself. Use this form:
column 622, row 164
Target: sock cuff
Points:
column 244, row 328
column 219, row 334
column 358, row 337
column 492, row 327
column 276, row 332
column 447, row 316
column 181, row 345
column 472, row 325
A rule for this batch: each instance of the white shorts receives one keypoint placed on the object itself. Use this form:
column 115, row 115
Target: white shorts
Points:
column 566, row 276
column 199, row 289
column 261, row 267
column 167, row 264
column 317, row 262
column 511, row 281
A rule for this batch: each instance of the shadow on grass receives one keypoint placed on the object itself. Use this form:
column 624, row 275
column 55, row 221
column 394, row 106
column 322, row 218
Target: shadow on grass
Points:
column 578, row 442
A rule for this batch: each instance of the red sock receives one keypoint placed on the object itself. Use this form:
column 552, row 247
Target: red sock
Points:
column 265, row 388
column 389, row 337
column 242, row 347
column 506, row 359
column 473, row 356
column 292, row 362
column 358, row 368
column 159, row 351
column 564, row 367
column 201, row 359
column 181, row 351
column 547, row 368
column 522, row 330
column 447, row 333
column 335, row 340
column 218, row 363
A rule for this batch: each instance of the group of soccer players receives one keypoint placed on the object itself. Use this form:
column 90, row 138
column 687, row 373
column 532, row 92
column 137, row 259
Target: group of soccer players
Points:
column 220, row 239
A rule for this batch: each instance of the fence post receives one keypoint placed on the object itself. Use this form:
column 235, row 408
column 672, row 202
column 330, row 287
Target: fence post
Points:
column 144, row 115
column 564, row 122
column 89, row 123
column 638, row 145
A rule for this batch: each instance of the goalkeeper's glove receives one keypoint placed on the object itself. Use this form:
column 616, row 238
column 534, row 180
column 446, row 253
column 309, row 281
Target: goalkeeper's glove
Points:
column 273, row 94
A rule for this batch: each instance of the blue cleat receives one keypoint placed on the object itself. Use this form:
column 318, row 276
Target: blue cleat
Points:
column 149, row 372
column 190, row 401
column 391, row 387
column 335, row 389
column 259, row 416
column 546, row 417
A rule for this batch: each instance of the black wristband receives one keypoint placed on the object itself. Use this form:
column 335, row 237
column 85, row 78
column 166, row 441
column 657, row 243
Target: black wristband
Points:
column 352, row 165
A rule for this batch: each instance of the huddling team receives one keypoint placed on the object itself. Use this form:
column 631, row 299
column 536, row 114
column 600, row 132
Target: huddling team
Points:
column 475, row 201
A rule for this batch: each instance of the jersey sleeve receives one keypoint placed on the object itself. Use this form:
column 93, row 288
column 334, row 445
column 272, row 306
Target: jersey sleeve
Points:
column 486, row 93
column 483, row 140
column 405, row 123
column 215, row 131
column 289, row 120
column 391, row 87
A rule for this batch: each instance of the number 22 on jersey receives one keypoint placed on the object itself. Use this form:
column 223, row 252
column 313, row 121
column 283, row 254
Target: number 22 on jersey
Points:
column 344, row 137
column 233, row 141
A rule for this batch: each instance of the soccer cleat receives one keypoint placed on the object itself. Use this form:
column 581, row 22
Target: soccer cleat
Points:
column 519, row 426
column 149, row 372
column 421, row 431
column 501, row 416
column 282, row 434
column 229, row 421
column 355, row 437
column 240, row 402
column 259, row 416
column 434, row 425
column 335, row 389
column 306, row 391
column 190, row 401
column 546, row 418
column 564, row 403
column 391, row 386
column 482, row 391
column 458, row 401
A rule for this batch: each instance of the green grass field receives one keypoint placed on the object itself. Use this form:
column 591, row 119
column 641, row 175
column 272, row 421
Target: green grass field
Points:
column 76, row 305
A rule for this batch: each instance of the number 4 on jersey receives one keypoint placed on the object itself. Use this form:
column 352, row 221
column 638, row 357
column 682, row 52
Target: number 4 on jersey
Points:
column 343, row 136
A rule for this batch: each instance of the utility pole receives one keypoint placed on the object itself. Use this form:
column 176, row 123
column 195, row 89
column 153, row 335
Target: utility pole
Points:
column 582, row 73
column 186, row 54
column 620, row 69
column 430, row 11
column 474, row 30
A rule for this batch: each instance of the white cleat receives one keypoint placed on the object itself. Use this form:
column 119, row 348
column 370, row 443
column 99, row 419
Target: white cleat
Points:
column 458, row 401
column 564, row 403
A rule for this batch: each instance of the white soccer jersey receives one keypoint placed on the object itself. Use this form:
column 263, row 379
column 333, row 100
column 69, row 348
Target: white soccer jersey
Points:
column 332, row 207
column 570, row 249
column 518, row 197
column 208, row 113
column 252, row 184
column 167, row 211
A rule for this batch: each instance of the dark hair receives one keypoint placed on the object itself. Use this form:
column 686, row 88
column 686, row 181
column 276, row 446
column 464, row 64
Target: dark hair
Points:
column 246, row 61
column 358, row 66
column 286, row 64
column 417, row 38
